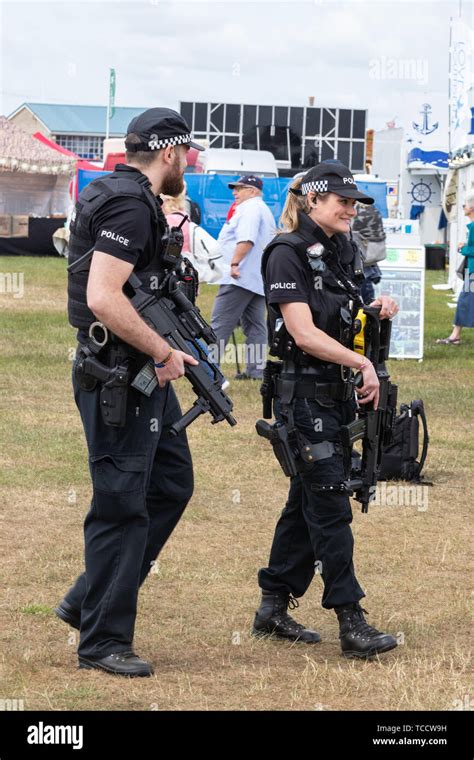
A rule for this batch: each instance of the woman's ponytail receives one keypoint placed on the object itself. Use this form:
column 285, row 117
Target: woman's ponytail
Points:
column 294, row 203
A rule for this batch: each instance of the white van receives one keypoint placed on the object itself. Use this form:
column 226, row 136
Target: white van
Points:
column 262, row 163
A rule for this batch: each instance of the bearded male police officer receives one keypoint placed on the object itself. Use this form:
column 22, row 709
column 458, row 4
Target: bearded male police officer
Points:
column 142, row 479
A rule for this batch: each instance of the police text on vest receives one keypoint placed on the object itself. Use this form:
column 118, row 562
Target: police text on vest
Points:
column 42, row 734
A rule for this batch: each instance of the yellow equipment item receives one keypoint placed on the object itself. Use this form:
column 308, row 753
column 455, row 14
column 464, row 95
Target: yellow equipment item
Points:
column 359, row 332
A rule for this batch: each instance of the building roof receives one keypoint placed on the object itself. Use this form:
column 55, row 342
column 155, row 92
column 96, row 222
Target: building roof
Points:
column 81, row 120
column 80, row 162
column 21, row 152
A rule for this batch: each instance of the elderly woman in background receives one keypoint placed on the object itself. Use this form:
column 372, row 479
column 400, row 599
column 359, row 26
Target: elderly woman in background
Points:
column 464, row 316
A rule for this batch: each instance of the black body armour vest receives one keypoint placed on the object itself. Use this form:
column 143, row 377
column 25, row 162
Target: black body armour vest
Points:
column 125, row 182
column 334, row 287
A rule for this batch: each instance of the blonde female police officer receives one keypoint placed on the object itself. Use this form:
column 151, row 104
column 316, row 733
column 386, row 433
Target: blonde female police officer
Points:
column 310, row 272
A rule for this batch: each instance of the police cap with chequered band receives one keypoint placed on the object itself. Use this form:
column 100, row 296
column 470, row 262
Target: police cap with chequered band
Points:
column 331, row 178
column 157, row 128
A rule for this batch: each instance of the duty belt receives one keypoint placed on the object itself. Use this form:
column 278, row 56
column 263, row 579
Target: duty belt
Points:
column 107, row 360
column 323, row 370
column 312, row 389
column 103, row 341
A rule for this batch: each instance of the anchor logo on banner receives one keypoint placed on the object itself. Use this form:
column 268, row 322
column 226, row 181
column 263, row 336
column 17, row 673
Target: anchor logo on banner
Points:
column 425, row 129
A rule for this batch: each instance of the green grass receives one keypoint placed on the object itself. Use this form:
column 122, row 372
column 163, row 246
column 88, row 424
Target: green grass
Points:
column 36, row 609
column 40, row 421
column 202, row 599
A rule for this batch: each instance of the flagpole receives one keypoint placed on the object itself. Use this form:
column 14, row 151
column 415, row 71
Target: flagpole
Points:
column 449, row 82
column 110, row 101
column 108, row 109
column 108, row 119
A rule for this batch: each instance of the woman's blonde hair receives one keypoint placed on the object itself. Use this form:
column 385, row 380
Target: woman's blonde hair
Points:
column 289, row 221
column 174, row 202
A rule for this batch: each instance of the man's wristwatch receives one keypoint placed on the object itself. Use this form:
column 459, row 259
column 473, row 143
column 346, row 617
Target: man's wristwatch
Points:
column 165, row 361
column 234, row 265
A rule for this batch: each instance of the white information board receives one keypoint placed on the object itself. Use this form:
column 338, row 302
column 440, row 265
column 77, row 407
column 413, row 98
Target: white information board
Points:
column 403, row 278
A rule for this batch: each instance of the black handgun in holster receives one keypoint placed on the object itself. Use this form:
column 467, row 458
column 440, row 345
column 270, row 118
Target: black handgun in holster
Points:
column 294, row 452
column 89, row 370
column 277, row 434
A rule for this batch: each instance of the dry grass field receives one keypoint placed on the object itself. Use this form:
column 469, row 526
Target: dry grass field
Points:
column 196, row 607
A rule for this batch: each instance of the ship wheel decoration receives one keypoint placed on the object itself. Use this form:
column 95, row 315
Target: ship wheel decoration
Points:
column 421, row 192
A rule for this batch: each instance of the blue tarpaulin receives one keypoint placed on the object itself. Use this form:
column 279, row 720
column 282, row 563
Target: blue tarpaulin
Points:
column 377, row 191
column 214, row 197
column 84, row 177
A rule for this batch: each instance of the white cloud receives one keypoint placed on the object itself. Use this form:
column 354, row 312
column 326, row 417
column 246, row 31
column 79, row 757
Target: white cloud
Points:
column 255, row 52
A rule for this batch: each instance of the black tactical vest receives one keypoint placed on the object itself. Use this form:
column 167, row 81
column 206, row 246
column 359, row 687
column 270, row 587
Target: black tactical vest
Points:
column 126, row 182
column 333, row 273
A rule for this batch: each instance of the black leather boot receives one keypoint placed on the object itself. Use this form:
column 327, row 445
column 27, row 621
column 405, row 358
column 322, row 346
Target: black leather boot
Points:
column 272, row 619
column 120, row 664
column 358, row 638
column 68, row 614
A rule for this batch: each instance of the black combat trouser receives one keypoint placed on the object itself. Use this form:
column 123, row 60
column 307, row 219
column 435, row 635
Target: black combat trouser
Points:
column 142, row 480
column 314, row 531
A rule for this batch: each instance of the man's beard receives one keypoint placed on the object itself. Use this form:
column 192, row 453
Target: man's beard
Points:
column 173, row 183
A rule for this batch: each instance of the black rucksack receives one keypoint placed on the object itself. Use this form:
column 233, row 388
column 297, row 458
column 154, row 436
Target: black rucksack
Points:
column 399, row 460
